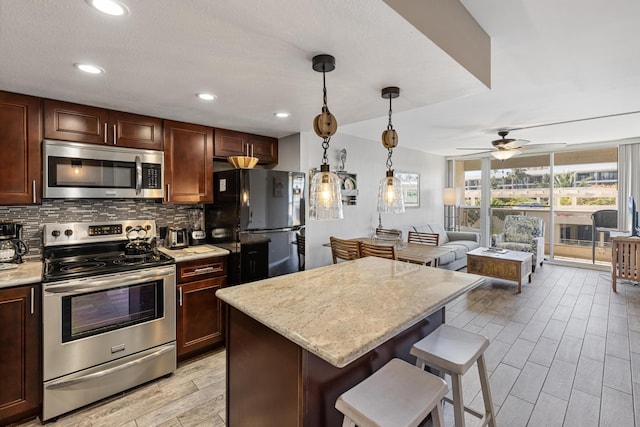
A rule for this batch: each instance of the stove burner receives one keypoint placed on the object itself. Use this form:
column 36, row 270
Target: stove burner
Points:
column 108, row 257
column 74, row 267
column 72, row 261
column 96, row 259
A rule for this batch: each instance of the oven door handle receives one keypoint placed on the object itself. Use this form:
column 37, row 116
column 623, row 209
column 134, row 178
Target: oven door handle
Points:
column 119, row 280
column 103, row 373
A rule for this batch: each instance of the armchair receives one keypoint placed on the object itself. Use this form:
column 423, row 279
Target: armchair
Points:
column 524, row 234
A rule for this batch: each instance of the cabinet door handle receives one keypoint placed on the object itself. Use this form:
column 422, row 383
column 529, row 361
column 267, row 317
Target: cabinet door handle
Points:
column 203, row 270
column 180, row 297
column 33, row 304
column 114, row 134
column 33, row 190
column 168, row 192
column 105, row 132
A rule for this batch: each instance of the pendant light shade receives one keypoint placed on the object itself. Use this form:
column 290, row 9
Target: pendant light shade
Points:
column 390, row 199
column 325, row 198
column 325, row 195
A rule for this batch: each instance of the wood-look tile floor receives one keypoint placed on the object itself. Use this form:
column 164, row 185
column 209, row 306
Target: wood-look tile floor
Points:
column 565, row 352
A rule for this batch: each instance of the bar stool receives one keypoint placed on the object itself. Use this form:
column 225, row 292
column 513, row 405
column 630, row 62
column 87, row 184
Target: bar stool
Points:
column 396, row 395
column 453, row 351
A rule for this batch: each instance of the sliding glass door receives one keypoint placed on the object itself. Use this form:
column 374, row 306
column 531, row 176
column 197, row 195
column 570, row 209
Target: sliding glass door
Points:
column 575, row 193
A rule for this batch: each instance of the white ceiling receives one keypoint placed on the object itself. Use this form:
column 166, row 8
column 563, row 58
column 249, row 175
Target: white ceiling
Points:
column 551, row 62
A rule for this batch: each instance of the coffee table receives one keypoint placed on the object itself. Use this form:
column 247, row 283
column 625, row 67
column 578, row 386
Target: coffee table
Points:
column 510, row 265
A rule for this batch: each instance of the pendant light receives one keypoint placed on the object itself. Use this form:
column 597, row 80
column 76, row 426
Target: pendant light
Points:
column 325, row 197
column 389, row 191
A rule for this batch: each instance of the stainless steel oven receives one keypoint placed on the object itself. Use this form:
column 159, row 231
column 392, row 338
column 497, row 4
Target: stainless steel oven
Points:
column 103, row 333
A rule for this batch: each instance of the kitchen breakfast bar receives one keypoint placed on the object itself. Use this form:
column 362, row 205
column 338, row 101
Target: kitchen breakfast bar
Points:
column 296, row 342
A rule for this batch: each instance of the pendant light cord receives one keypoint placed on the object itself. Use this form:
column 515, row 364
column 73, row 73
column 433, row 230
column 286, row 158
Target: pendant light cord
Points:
column 390, row 150
column 325, row 109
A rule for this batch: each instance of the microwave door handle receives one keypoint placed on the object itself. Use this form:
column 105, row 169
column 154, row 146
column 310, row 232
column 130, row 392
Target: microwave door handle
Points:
column 138, row 175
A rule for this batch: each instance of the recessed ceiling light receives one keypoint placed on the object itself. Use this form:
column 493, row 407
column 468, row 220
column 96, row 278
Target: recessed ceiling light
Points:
column 88, row 68
column 110, row 7
column 206, row 96
column 281, row 114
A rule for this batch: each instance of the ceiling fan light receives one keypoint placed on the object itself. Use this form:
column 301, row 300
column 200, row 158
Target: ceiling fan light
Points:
column 505, row 154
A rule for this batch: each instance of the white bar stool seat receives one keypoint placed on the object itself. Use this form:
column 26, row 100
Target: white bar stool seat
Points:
column 453, row 351
column 397, row 395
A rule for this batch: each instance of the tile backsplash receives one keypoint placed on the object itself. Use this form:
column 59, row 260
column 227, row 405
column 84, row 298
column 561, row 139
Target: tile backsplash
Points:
column 93, row 210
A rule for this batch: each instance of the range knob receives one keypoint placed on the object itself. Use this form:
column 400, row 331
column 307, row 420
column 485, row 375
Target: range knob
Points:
column 128, row 228
column 68, row 232
column 55, row 233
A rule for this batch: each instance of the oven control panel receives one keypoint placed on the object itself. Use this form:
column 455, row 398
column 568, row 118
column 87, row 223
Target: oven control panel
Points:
column 104, row 230
column 86, row 232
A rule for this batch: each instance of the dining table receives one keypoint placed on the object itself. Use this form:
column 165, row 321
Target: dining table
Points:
column 416, row 253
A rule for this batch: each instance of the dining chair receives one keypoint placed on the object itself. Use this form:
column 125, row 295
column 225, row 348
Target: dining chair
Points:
column 344, row 249
column 380, row 251
column 389, row 235
column 432, row 239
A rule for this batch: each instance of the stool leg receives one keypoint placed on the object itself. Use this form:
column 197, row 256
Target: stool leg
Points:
column 436, row 416
column 458, row 403
column 348, row 422
column 486, row 392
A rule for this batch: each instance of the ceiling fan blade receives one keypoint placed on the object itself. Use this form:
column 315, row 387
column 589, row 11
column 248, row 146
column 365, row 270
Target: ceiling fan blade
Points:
column 471, row 149
column 517, row 143
column 478, row 154
column 545, row 147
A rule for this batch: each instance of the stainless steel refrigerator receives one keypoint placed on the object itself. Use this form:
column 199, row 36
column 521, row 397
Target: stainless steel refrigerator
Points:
column 255, row 214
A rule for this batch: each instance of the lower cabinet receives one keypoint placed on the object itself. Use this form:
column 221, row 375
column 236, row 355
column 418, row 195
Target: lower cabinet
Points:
column 20, row 355
column 200, row 314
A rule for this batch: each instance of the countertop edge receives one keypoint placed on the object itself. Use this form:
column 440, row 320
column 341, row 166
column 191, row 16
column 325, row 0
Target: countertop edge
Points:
column 29, row 273
column 182, row 255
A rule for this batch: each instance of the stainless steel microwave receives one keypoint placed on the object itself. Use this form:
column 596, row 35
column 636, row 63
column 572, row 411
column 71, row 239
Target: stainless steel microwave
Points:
column 73, row 170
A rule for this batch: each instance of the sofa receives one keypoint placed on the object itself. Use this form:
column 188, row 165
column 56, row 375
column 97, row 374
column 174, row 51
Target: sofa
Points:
column 459, row 243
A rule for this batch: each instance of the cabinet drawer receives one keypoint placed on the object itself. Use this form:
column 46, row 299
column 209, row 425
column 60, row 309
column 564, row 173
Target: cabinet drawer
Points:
column 190, row 271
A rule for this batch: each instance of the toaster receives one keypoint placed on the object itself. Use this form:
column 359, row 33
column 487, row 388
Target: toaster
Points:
column 177, row 238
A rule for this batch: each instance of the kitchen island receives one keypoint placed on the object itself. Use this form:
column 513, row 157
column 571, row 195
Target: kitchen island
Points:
column 296, row 342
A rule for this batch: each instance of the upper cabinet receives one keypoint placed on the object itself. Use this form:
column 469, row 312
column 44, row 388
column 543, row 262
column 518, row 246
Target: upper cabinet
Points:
column 188, row 163
column 20, row 136
column 232, row 143
column 83, row 123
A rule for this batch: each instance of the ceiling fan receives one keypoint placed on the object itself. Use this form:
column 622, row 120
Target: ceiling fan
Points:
column 505, row 148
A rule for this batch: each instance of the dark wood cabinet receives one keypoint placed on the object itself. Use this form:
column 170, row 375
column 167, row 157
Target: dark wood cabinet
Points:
column 20, row 357
column 20, row 136
column 254, row 261
column 200, row 320
column 188, row 163
column 232, row 143
column 84, row 123
column 264, row 148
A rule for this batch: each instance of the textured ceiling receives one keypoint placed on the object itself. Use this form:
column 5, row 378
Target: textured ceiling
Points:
column 551, row 62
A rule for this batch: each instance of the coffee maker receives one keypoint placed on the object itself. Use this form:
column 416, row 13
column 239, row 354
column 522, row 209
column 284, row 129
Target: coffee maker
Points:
column 12, row 247
column 197, row 234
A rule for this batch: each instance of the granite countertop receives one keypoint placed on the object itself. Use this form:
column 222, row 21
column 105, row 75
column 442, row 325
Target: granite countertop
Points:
column 27, row 273
column 342, row 311
column 195, row 252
